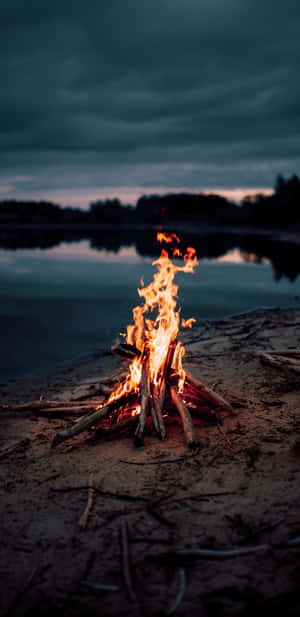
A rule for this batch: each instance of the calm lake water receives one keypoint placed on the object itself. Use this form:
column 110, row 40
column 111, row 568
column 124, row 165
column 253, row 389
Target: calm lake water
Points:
column 60, row 304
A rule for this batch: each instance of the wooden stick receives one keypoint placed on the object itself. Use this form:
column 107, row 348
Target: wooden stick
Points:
column 83, row 521
column 166, row 372
column 194, row 554
column 159, row 394
column 28, row 583
column 161, row 429
column 125, row 561
column 284, row 352
column 20, row 444
column 99, row 586
column 126, row 351
column 182, row 586
column 145, row 401
column 292, row 362
column 66, row 411
column 154, row 415
column 43, row 404
column 188, row 427
column 267, row 358
column 208, row 394
column 84, row 423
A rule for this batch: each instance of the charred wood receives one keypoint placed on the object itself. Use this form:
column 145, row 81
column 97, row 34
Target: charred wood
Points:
column 84, row 423
column 145, row 402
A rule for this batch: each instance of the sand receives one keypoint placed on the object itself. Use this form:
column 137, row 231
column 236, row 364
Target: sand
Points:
column 220, row 497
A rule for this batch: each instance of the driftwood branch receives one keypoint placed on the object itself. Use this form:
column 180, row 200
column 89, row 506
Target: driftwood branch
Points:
column 188, row 427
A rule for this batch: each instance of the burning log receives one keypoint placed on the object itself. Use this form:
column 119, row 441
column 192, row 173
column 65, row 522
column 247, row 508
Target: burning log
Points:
column 187, row 422
column 159, row 394
column 84, row 423
column 129, row 352
column 145, row 401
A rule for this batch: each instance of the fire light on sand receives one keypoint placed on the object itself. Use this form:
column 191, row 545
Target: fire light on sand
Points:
column 156, row 385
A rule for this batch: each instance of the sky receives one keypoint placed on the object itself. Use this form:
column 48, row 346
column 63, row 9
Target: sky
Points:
column 119, row 98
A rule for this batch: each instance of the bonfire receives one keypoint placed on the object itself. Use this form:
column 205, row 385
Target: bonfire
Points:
column 156, row 387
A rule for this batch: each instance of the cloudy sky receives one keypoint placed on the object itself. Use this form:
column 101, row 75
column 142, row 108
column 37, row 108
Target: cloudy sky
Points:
column 123, row 97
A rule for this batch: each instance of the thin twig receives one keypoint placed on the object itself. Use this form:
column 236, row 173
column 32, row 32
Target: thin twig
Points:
column 195, row 554
column 99, row 586
column 28, row 583
column 125, row 561
column 85, row 516
column 182, row 586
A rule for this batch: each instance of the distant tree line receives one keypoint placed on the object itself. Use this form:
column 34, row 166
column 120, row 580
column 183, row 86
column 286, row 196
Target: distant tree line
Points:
column 281, row 209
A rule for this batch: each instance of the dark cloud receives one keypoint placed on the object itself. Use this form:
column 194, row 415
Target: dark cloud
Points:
column 174, row 93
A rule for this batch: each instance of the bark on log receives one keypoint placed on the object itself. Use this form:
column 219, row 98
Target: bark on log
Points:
column 188, row 427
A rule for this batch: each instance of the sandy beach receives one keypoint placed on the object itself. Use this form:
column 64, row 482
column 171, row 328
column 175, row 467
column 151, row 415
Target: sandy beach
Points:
column 239, row 490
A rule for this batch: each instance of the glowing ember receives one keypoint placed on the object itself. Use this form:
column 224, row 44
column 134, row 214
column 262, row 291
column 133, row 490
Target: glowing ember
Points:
column 157, row 320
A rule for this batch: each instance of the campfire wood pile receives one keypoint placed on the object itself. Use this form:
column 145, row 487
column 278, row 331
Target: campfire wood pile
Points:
column 156, row 388
column 196, row 405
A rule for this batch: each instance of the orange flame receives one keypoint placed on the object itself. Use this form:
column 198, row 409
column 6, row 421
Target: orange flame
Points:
column 157, row 319
column 168, row 238
column 187, row 323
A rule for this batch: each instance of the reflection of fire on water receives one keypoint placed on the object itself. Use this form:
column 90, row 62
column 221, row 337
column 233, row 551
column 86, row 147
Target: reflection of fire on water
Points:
column 156, row 385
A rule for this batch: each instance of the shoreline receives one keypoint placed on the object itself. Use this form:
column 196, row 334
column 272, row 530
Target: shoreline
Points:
column 96, row 367
column 234, row 492
column 288, row 234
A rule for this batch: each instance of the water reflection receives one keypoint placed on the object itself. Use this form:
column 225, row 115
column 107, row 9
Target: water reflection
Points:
column 132, row 245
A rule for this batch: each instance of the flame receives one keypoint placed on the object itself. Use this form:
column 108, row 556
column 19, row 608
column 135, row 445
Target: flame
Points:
column 157, row 319
column 187, row 323
column 168, row 238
